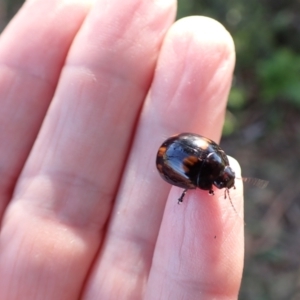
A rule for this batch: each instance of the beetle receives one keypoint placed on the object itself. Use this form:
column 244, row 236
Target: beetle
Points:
column 191, row 161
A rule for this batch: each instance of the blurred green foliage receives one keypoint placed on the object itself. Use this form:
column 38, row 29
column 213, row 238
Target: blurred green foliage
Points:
column 279, row 77
column 266, row 36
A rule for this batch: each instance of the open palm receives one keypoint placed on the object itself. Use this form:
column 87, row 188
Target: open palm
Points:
column 88, row 92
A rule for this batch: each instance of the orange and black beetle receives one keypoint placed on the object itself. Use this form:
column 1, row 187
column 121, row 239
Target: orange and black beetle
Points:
column 189, row 160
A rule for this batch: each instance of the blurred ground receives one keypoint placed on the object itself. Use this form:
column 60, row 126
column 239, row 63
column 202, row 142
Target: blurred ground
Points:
column 262, row 131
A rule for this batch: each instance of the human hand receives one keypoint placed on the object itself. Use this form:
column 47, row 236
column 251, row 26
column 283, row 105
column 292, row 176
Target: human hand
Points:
column 84, row 211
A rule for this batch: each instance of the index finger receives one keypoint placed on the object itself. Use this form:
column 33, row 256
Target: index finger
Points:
column 188, row 94
column 200, row 246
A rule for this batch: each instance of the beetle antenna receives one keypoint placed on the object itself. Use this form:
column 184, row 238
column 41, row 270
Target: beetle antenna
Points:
column 225, row 197
column 260, row 183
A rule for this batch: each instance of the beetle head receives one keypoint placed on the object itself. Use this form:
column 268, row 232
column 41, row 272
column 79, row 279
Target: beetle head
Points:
column 225, row 179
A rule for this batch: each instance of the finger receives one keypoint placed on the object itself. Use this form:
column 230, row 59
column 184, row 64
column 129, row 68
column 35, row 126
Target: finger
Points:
column 86, row 133
column 188, row 93
column 199, row 252
column 65, row 192
column 32, row 51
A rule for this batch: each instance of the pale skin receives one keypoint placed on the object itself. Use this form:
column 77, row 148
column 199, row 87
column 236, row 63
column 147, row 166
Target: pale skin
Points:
column 88, row 92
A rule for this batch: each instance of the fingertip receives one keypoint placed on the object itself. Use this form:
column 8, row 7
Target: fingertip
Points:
column 193, row 76
column 204, row 31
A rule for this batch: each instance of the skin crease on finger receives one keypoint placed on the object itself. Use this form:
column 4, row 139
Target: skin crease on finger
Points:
column 31, row 57
column 184, row 97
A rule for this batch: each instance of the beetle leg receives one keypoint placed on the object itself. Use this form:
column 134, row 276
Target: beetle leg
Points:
column 180, row 200
column 211, row 192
